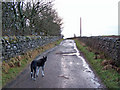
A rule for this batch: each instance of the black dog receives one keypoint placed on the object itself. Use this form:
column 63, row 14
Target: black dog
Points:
column 35, row 65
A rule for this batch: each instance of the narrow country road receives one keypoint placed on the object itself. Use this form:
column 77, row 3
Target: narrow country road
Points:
column 65, row 68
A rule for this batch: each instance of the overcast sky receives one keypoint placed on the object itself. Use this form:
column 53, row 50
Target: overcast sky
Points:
column 99, row 17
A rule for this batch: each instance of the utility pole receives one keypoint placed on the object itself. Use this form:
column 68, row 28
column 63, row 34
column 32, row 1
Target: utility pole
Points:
column 80, row 28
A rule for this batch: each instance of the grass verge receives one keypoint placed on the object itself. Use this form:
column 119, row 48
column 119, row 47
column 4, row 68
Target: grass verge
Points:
column 110, row 78
column 15, row 65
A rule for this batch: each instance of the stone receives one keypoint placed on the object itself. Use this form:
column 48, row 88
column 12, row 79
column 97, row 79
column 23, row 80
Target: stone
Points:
column 8, row 46
column 15, row 47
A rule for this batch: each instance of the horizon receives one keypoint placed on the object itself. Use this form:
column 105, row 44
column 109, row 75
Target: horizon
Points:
column 99, row 17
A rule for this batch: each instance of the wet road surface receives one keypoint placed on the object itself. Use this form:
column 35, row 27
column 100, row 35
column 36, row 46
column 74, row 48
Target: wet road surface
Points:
column 65, row 68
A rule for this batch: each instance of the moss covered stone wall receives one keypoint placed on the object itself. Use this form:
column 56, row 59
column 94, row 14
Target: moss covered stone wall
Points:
column 16, row 45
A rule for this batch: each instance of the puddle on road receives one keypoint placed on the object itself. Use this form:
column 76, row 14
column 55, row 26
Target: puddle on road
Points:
column 66, row 77
column 87, row 70
column 69, row 54
column 78, row 63
column 71, row 63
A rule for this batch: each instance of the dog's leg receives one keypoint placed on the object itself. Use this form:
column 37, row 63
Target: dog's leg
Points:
column 31, row 72
column 43, row 71
column 34, row 74
column 37, row 71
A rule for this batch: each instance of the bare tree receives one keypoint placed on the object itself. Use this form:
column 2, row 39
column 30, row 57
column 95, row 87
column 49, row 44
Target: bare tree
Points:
column 30, row 18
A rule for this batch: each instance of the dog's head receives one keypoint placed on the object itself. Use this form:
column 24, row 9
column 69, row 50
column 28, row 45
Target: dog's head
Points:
column 45, row 58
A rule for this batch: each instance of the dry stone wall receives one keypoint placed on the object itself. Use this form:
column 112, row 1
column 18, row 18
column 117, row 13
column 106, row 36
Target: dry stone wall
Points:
column 16, row 45
column 109, row 45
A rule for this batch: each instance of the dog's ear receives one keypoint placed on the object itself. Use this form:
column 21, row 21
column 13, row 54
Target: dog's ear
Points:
column 43, row 57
